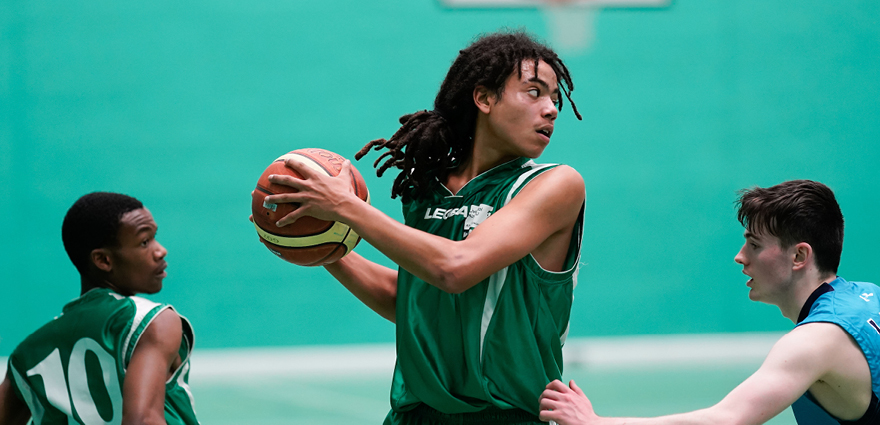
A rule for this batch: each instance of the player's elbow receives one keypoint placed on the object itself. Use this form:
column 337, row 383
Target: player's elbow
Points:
column 452, row 286
column 451, row 276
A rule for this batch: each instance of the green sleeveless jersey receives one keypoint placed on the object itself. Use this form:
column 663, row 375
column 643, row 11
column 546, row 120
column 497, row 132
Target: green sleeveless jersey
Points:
column 500, row 342
column 70, row 371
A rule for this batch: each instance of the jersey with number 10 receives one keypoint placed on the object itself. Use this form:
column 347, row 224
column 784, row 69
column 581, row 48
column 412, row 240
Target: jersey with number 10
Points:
column 497, row 344
column 71, row 370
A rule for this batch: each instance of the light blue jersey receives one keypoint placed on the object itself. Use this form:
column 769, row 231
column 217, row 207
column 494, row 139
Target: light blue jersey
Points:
column 854, row 306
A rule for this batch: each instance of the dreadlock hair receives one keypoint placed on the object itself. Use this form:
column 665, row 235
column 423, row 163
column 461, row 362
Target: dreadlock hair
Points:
column 93, row 222
column 430, row 144
column 796, row 211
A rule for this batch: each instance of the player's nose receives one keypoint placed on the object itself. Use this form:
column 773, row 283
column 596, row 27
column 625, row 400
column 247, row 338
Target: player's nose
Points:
column 550, row 110
column 740, row 257
column 160, row 251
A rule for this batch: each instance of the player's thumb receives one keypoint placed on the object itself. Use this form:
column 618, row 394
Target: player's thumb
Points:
column 575, row 388
column 346, row 168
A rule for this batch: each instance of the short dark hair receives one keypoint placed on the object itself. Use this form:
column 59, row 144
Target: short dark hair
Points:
column 430, row 144
column 796, row 211
column 93, row 222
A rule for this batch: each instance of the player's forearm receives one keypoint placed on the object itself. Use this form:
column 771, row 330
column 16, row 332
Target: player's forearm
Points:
column 709, row 416
column 373, row 284
column 143, row 420
column 436, row 260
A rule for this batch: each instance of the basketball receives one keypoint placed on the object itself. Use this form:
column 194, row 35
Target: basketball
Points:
column 308, row 241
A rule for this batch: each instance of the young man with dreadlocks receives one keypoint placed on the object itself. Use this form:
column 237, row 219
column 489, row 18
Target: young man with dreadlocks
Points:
column 828, row 368
column 489, row 252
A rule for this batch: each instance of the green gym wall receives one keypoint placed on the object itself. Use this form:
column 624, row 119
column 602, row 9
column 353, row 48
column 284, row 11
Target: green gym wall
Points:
column 183, row 104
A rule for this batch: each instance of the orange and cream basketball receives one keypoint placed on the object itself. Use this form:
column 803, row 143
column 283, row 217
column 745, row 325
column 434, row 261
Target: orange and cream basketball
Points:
column 308, row 241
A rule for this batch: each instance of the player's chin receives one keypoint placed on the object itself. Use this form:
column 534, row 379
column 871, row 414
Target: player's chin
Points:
column 154, row 286
column 753, row 295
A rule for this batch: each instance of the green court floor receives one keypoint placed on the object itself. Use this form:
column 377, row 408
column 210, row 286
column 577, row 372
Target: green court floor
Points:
column 363, row 399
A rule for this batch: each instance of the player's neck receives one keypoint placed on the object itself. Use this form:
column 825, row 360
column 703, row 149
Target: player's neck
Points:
column 87, row 283
column 477, row 164
column 801, row 292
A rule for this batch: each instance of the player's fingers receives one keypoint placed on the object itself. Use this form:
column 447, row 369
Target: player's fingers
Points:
column 557, row 385
column 283, row 198
column 548, row 415
column 292, row 217
column 286, row 180
column 346, row 169
column 548, row 399
column 299, row 167
column 576, row 388
column 549, row 395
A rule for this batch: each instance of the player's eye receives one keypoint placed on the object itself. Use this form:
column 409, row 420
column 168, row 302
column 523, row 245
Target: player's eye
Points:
column 534, row 92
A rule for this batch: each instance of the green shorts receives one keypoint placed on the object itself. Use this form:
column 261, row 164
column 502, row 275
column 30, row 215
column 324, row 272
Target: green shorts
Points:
column 424, row 415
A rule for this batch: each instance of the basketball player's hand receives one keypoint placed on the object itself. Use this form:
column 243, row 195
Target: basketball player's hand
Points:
column 319, row 195
column 566, row 405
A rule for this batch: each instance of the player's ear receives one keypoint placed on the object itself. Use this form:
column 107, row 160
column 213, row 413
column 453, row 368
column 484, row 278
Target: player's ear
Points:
column 484, row 99
column 803, row 255
column 100, row 257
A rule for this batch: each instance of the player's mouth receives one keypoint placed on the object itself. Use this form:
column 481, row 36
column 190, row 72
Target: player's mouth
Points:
column 160, row 272
column 546, row 132
column 751, row 279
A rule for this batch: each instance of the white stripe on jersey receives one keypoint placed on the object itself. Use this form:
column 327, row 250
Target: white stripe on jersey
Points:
column 34, row 405
column 143, row 307
column 519, row 181
column 496, row 282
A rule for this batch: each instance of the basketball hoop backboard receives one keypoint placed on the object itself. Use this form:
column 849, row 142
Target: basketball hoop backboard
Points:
column 545, row 3
column 569, row 22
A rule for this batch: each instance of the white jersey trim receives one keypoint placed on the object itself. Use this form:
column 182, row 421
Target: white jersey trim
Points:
column 143, row 307
column 37, row 410
column 522, row 178
column 496, row 283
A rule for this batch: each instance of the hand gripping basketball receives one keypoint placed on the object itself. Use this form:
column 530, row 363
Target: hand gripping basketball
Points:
column 302, row 194
column 318, row 195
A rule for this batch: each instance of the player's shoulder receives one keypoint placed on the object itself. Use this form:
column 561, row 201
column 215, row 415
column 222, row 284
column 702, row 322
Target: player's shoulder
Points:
column 562, row 180
column 166, row 321
column 816, row 340
column 567, row 174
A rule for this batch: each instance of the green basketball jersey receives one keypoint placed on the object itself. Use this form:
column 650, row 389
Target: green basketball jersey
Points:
column 70, row 371
column 500, row 342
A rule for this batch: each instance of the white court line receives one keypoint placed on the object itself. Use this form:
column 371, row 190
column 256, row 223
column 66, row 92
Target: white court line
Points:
column 600, row 353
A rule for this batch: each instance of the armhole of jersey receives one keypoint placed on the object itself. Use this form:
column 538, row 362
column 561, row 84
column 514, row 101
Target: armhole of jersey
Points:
column 145, row 312
column 868, row 349
column 187, row 343
column 577, row 232
column 871, row 356
column 524, row 178
column 25, row 393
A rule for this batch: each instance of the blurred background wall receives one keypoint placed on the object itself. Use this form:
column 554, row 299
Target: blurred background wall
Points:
column 183, row 104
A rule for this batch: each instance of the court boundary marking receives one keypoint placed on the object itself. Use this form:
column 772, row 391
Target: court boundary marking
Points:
column 686, row 351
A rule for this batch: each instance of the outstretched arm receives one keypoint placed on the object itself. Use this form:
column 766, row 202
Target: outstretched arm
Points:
column 541, row 215
column 153, row 359
column 13, row 411
column 797, row 361
column 375, row 285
